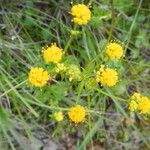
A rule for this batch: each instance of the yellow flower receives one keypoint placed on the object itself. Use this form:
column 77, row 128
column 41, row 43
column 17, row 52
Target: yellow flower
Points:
column 38, row 77
column 52, row 54
column 107, row 77
column 77, row 113
column 74, row 32
column 133, row 105
column 139, row 102
column 136, row 96
column 114, row 51
column 61, row 67
column 74, row 73
column 59, row 116
column 144, row 105
column 81, row 14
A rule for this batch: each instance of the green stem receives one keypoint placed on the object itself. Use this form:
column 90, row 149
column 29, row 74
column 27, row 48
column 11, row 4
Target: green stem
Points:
column 132, row 25
column 90, row 2
column 110, row 33
column 111, row 96
column 112, row 20
column 69, row 41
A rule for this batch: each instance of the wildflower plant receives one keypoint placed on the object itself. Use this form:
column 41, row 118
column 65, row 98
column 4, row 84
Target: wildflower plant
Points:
column 106, row 76
column 74, row 82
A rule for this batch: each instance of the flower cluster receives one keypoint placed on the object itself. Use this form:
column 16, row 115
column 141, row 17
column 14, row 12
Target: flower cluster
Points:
column 74, row 73
column 107, row 76
column 140, row 103
column 74, row 32
column 71, row 71
column 81, row 14
column 52, row 54
column 59, row 116
column 77, row 113
column 38, row 77
column 114, row 50
column 61, row 67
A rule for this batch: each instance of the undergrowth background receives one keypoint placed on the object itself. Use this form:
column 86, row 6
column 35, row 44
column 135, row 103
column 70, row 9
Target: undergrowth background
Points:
column 27, row 26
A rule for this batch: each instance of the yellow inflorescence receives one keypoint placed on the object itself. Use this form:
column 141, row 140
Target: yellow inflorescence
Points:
column 136, row 96
column 133, row 105
column 52, row 54
column 114, row 51
column 77, row 114
column 139, row 102
column 144, row 105
column 74, row 73
column 107, row 77
column 61, row 67
column 81, row 14
column 74, row 32
column 59, row 116
column 38, row 77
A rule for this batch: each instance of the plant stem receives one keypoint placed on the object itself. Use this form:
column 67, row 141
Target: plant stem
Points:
column 112, row 20
column 69, row 41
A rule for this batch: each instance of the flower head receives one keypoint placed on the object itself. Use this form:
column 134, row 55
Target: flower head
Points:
column 77, row 114
column 140, row 103
column 52, row 54
column 144, row 105
column 81, row 14
column 133, row 105
column 107, row 76
column 136, row 97
column 61, row 67
column 114, row 51
column 73, row 72
column 74, row 32
column 59, row 116
column 38, row 76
